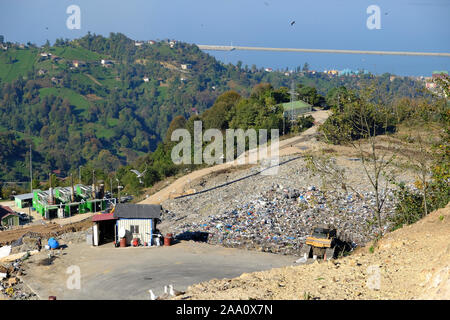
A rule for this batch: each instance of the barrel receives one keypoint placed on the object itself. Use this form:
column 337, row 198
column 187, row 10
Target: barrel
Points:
column 123, row 242
column 168, row 239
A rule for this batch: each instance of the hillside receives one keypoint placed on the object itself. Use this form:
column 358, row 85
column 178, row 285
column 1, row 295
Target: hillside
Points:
column 76, row 110
column 413, row 263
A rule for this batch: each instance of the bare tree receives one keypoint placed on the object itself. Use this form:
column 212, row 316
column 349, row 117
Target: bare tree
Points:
column 372, row 120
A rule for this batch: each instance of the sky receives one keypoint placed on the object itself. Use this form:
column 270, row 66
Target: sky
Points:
column 405, row 25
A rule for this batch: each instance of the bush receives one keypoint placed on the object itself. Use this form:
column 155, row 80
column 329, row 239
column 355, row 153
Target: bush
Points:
column 409, row 208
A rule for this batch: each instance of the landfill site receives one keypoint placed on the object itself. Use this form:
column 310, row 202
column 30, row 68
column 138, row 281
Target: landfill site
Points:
column 231, row 232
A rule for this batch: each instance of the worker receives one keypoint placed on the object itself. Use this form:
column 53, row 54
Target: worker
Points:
column 39, row 244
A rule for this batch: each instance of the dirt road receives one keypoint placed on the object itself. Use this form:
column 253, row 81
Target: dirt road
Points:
column 289, row 146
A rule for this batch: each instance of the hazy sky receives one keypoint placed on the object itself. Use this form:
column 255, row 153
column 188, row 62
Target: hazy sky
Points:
column 414, row 25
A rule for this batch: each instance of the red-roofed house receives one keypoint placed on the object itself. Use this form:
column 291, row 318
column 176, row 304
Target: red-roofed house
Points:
column 8, row 217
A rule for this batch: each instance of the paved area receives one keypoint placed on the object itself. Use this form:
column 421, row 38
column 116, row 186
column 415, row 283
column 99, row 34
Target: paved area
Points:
column 128, row 273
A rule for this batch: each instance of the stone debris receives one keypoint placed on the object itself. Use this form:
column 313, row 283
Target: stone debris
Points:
column 11, row 285
column 279, row 219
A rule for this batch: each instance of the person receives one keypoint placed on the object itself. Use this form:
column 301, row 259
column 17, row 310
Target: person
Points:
column 39, row 244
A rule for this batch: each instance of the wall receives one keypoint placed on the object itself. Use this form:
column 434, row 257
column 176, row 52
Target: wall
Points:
column 145, row 229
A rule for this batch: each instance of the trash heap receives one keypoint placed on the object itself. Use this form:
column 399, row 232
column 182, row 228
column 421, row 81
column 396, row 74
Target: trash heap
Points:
column 10, row 282
column 279, row 219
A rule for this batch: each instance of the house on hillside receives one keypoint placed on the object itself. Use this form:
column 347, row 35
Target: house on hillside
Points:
column 146, row 79
column 151, row 42
column 57, row 81
column 172, row 43
column 135, row 221
column 294, row 109
column 78, row 64
column 55, row 58
column 107, row 63
column 439, row 74
column 138, row 43
column 186, row 66
column 8, row 217
column 42, row 72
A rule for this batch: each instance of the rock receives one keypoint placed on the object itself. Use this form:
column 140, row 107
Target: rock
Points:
column 12, row 281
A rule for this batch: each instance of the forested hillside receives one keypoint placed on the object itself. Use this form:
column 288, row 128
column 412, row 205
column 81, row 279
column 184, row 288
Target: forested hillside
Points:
column 103, row 102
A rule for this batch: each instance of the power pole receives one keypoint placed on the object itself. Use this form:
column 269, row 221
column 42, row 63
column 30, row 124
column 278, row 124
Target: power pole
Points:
column 31, row 173
column 31, row 186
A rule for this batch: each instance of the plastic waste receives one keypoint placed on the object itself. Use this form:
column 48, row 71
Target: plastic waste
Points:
column 53, row 244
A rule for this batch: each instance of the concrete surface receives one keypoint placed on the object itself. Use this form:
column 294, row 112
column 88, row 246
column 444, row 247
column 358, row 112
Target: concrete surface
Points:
column 128, row 273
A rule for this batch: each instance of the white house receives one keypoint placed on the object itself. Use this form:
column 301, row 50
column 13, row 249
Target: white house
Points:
column 137, row 221
column 107, row 63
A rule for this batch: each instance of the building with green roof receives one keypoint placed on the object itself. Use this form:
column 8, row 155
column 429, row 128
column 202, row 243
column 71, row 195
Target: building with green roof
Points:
column 295, row 109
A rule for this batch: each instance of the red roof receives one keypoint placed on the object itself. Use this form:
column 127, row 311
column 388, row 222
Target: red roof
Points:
column 103, row 217
column 6, row 211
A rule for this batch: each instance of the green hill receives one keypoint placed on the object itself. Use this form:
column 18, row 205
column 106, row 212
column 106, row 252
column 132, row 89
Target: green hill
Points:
column 73, row 112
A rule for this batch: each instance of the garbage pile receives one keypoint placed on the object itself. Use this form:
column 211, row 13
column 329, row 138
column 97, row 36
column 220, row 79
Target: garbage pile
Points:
column 279, row 219
column 10, row 283
column 27, row 242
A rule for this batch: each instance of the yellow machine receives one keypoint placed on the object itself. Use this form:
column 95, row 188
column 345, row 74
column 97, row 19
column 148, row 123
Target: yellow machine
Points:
column 322, row 243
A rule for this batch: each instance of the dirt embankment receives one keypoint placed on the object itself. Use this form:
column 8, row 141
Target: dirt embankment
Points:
column 45, row 230
column 410, row 263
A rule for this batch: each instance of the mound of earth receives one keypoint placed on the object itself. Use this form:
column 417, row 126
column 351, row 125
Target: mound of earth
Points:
column 44, row 231
column 410, row 263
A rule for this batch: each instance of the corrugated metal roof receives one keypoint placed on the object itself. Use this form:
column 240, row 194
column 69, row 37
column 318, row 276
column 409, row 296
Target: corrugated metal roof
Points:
column 137, row 211
column 24, row 196
column 299, row 104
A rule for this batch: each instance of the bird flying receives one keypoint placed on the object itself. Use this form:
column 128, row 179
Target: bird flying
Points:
column 138, row 174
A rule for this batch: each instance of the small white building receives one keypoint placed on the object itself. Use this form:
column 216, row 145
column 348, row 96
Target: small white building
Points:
column 107, row 63
column 146, row 79
column 137, row 221
column 186, row 66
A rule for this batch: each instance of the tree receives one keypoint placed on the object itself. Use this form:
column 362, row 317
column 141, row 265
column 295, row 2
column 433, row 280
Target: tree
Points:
column 357, row 123
column 306, row 67
column 179, row 122
column 375, row 159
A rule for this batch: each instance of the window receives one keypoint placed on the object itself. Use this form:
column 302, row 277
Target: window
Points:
column 134, row 229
